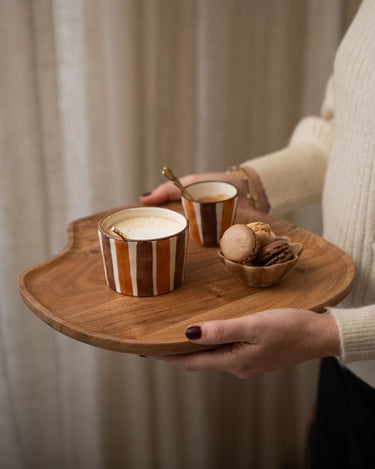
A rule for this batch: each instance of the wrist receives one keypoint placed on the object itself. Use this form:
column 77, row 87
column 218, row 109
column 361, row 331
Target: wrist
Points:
column 258, row 188
column 250, row 187
column 326, row 336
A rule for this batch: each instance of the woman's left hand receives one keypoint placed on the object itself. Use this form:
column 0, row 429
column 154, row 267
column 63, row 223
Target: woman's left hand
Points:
column 260, row 342
column 168, row 192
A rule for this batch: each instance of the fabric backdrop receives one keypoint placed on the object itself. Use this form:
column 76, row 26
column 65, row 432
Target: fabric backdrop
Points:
column 95, row 97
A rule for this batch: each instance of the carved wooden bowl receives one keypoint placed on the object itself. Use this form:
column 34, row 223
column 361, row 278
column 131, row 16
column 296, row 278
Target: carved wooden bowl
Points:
column 266, row 276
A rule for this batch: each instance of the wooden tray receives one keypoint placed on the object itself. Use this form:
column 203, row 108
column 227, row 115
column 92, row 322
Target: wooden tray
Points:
column 69, row 293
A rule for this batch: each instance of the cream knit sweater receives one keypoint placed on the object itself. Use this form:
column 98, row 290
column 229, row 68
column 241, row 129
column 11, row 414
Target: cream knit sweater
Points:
column 333, row 157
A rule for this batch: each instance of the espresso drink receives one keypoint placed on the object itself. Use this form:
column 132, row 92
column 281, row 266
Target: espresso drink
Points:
column 213, row 198
column 148, row 227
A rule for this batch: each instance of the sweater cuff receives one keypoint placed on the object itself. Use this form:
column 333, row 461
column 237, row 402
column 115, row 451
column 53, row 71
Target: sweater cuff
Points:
column 313, row 130
column 357, row 332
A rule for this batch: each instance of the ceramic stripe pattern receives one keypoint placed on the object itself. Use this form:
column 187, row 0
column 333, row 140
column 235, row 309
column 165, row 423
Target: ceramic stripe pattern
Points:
column 209, row 221
column 144, row 268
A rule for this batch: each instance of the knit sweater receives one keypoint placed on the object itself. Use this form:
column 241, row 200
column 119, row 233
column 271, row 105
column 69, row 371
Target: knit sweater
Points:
column 332, row 158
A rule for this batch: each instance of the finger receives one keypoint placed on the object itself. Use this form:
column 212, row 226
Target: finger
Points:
column 166, row 192
column 219, row 359
column 222, row 332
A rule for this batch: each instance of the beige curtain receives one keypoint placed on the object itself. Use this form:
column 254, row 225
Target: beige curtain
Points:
column 95, row 96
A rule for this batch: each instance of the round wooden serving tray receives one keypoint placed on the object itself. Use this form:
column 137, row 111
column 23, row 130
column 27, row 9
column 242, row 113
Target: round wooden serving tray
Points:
column 69, row 292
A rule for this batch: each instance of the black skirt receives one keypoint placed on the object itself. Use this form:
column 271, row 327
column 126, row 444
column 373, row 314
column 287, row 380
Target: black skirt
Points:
column 343, row 432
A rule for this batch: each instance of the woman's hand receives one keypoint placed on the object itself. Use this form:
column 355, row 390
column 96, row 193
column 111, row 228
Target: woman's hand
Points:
column 168, row 192
column 260, row 342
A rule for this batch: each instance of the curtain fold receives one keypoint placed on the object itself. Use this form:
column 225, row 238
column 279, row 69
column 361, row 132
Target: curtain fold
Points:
column 95, row 97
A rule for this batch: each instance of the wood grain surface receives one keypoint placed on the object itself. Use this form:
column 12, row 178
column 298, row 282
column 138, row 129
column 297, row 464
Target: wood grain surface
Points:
column 69, row 292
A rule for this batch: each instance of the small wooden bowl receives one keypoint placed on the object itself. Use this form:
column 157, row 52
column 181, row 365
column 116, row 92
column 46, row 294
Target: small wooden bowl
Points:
column 257, row 277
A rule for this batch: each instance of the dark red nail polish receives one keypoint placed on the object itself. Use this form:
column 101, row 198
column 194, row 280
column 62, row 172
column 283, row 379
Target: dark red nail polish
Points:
column 193, row 332
column 146, row 194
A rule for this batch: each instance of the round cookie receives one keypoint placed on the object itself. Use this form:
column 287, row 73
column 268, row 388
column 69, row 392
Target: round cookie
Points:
column 239, row 243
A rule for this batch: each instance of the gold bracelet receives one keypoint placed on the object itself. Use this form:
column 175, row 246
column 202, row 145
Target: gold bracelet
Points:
column 251, row 194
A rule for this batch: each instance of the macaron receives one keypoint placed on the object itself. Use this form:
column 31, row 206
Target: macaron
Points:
column 239, row 243
column 262, row 232
column 275, row 252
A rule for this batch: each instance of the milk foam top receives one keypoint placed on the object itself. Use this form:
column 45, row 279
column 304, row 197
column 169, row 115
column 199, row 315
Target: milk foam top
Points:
column 145, row 223
column 149, row 227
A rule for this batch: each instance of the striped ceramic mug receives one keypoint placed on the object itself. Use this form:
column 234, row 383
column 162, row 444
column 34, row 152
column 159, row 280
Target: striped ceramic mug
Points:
column 211, row 212
column 149, row 259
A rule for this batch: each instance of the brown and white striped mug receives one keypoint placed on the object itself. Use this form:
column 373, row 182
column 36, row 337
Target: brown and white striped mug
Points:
column 150, row 261
column 212, row 211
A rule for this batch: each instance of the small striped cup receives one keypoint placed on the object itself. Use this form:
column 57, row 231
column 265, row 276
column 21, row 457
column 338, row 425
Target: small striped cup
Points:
column 144, row 267
column 212, row 211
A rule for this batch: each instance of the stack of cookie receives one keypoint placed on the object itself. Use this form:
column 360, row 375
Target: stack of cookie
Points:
column 255, row 244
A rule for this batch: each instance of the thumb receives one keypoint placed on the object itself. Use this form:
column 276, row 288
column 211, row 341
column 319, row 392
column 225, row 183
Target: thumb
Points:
column 221, row 332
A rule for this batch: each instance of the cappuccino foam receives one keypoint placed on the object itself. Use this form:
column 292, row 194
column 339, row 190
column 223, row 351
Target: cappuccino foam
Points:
column 144, row 227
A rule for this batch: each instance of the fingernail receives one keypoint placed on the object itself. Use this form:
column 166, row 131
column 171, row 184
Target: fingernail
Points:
column 146, row 194
column 193, row 332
